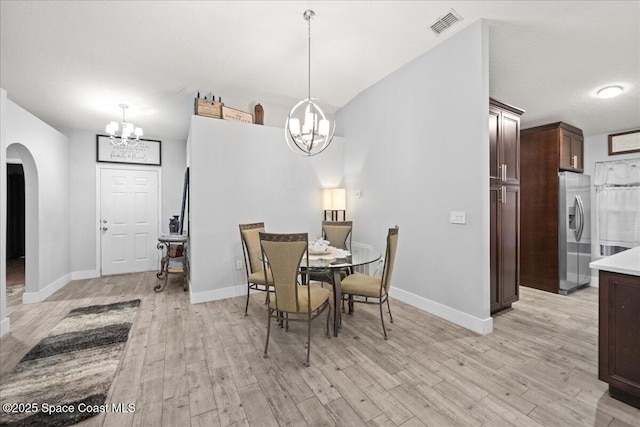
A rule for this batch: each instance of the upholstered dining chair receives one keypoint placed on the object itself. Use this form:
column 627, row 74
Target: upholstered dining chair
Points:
column 373, row 290
column 282, row 254
column 338, row 234
column 249, row 235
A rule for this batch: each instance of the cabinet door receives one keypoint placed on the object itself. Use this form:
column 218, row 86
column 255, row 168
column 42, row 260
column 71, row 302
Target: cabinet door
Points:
column 509, row 146
column 504, row 202
column 577, row 152
column 494, row 230
column 619, row 346
column 509, row 245
column 494, row 133
column 566, row 142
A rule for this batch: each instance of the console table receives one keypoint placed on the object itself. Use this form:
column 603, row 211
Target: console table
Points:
column 175, row 259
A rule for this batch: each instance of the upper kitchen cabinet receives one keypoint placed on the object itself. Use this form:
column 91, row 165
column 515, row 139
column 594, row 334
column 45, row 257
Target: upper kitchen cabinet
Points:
column 567, row 140
column 571, row 148
column 504, row 142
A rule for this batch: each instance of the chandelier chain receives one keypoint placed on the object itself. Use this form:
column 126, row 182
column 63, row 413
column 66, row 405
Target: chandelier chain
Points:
column 309, row 50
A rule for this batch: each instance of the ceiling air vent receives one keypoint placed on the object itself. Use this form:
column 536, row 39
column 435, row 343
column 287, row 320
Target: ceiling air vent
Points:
column 445, row 22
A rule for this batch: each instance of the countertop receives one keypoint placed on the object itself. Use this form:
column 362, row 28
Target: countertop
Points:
column 626, row 262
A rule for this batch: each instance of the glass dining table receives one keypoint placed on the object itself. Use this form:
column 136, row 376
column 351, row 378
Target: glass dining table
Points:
column 332, row 267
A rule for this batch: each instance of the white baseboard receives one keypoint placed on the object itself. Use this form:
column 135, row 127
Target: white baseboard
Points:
column 85, row 274
column 33, row 297
column 4, row 326
column 475, row 324
column 216, row 294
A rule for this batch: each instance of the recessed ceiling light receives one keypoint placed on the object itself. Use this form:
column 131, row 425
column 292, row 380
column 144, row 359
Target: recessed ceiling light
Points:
column 609, row 92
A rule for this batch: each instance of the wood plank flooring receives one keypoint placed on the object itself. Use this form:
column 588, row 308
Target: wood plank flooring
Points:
column 202, row 365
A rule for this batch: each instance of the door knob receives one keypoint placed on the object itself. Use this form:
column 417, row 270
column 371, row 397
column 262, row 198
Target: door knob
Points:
column 105, row 228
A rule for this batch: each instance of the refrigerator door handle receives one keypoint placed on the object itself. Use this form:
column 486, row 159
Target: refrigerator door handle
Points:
column 581, row 210
column 576, row 210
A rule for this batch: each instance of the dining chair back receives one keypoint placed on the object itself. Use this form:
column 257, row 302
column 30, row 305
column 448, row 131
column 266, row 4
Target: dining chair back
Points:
column 338, row 233
column 389, row 259
column 250, row 238
column 282, row 255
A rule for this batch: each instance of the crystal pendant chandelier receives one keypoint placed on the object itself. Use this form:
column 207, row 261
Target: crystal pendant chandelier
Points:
column 310, row 125
column 130, row 136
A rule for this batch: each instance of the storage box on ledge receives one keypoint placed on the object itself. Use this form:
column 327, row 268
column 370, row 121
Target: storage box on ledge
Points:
column 207, row 108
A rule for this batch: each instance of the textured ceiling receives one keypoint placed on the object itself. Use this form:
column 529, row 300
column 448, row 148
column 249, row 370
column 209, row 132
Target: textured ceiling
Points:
column 72, row 63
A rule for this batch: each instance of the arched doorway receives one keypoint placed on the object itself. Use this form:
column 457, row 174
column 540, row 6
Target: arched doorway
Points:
column 18, row 153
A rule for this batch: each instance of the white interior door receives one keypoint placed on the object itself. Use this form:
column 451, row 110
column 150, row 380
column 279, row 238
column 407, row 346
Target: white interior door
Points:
column 128, row 220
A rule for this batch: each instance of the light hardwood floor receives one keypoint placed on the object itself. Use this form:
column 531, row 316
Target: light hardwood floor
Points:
column 202, row 365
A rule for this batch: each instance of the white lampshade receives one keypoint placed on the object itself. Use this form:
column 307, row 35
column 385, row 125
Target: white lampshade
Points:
column 334, row 199
column 294, row 125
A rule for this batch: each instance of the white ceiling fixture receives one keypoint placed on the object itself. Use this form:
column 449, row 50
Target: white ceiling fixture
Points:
column 310, row 124
column 445, row 21
column 609, row 92
column 128, row 131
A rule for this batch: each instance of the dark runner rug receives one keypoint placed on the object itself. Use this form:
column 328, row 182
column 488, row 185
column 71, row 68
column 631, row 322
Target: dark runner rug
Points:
column 65, row 378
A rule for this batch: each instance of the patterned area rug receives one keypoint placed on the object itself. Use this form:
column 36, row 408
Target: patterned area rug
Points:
column 65, row 378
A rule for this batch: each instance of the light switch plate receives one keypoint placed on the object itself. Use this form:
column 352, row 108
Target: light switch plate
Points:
column 457, row 217
column 238, row 264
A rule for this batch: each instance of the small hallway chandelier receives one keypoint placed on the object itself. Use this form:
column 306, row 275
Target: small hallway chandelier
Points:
column 130, row 136
column 310, row 125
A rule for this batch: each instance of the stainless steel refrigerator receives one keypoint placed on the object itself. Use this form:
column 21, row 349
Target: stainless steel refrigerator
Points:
column 574, row 237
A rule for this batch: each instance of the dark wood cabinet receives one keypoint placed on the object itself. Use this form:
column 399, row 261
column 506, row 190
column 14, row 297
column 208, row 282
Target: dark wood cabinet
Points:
column 571, row 148
column 619, row 336
column 504, row 193
column 505, row 244
column 504, row 143
column 544, row 150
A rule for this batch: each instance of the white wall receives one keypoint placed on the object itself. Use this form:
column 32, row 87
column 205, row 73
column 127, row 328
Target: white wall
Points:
column 82, row 189
column 243, row 173
column 596, row 149
column 48, row 151
column 418, row 147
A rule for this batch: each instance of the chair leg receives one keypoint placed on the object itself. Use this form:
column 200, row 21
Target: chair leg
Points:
column 306, row 363
column 389, row 308
column 328, row 317
column 350, row 304
column 266, row 346
column 382, row 320
column 246, row 306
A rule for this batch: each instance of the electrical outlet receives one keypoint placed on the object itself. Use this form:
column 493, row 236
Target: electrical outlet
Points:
column 457, row 217
column 238, row 264
column 358, row 194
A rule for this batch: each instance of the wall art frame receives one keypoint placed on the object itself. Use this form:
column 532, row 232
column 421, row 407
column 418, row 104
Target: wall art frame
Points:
column 624, row 142
column 146, row 152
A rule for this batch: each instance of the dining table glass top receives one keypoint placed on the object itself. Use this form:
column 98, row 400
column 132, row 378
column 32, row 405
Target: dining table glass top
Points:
column 333, row 258
column 341, row 259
